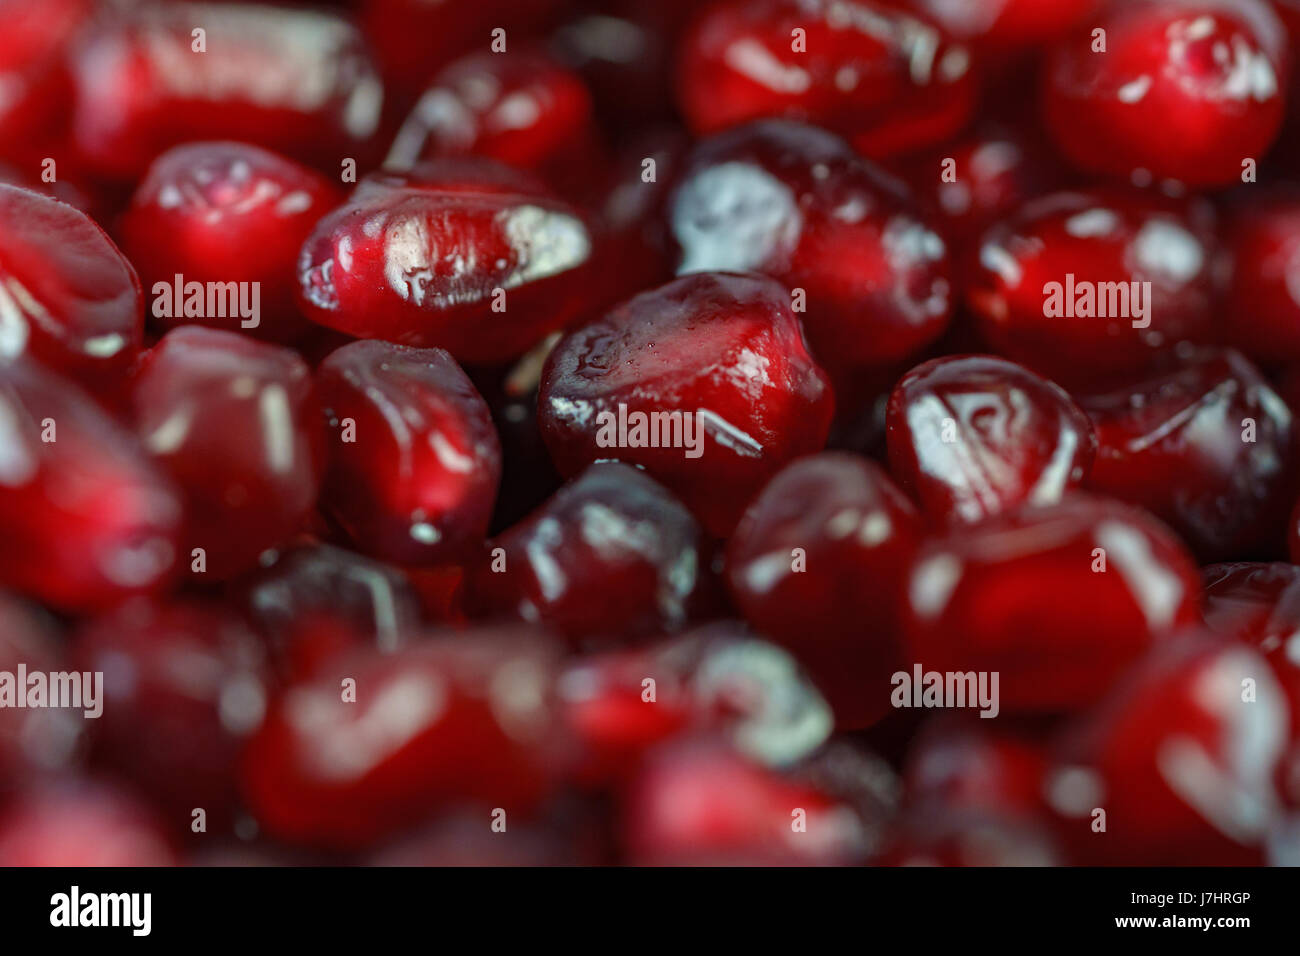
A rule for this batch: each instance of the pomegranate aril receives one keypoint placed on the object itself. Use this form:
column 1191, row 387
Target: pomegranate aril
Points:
column 891, row 81
column 226, row 212
column 295, row 81
column 521, row 108
column 701, row 804
column 1183, row 89
column 38, row 36
column 82, row 823
column 184, row 686
column 459, row 719
column 956, row 763
column 1053, row 287
column 316, row 602
column 690, row 349
column 996, row 28
column 41, row 740
column 717, row 679
column 1209, row 448
column 86, row 517
column 474, row 266
column 1180, row 760
column 237, row 425
column 816, row 564
column 611, row 555
column 414, row 461
column 1263, row 297
column 1057, row 600
column 68, row 297
column 797, row 203
column 971, row 436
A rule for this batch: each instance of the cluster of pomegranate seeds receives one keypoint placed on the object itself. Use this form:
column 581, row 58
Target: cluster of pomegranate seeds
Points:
column 590, row 431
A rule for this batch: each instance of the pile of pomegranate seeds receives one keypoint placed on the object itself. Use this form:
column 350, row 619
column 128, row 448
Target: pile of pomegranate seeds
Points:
column 691, row 432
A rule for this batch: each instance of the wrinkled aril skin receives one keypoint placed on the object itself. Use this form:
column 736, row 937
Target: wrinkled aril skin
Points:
column 457, row 719
column 1209, row 448
column 414, row 462
column 237, row 425
column 611, row 555
column 1028, row 308
column 835, row 606
column 1181, row 762
column 724, row 348
column 1057, row 600
column 227, row 212
column 295, row 81
column 184, row 687
column 479, row 269
column 888, row 80
column 797, row 203
column 1185, row 90
column 68, row 297
column 86, row 518
column 972, row 436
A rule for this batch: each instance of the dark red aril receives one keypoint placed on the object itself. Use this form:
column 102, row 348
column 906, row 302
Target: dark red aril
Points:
column 521, row 108
column 226, row 212
column 1209, row 448
column 68, row 297
column 817, row 563
column 1058, row 600
column 34, row 49
column 413, row 458
column 955, row 763
column 479, row 266
column 237, row 425
column 295, row 81
column 796, row 203
column 891, row 81
column 34, row 741
column 86, row 517
column 315, row 602
column 1184, row 90
column 727, row 353
column 1052, row 287
column 184, row 686
column 971, row 436
column 611, row 556
column 998, row 28
column 1263, row 297
column 454, row 720
column 1182, row 759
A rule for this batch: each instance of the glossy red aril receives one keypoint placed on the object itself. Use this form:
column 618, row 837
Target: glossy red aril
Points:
column 237, row 425
column 295, row 81
column 956, row 763
column 817, row 563
column 1263, row 298
column 315, row 602
column 1053, row 286
column 82, row 823
column 891, row 81
column 184, row 686
column 999, row 27
column 414, row 461
column 68, row 297
column 466, row 718
column 971, row 436
column 611, row 555
column 797, row 203
column 521, row 108
column 225, row 212
column 725, row 356
column 704, row 805
column 978, row 179
column 86, row 518
column 1209, row 448
column 1184, row 89
column 471, row 262
column 34, row 73
column 717, row 679
column 1181, row 759
column 1057, row 600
